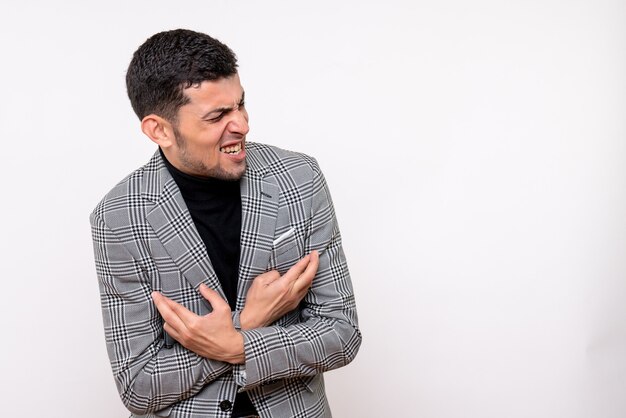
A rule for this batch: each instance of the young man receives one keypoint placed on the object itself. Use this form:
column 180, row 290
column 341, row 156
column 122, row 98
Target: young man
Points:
column 224, row 287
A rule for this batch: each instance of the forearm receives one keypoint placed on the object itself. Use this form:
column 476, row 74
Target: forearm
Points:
column 148, row 375
column 322, row 336
column 305, row 349
column 325, row 335
column 168, row 377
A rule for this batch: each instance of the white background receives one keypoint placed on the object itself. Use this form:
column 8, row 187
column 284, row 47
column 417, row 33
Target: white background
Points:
column 475, row 151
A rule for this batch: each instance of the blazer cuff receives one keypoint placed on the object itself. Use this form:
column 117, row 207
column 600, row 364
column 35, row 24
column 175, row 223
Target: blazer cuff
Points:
column 240, row 376
column 237, row 319
column 248, row 375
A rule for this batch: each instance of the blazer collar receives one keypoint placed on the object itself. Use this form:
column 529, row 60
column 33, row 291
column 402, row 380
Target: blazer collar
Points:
column 156, row 177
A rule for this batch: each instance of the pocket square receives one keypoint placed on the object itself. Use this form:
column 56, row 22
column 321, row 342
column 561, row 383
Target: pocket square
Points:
column 284, row 236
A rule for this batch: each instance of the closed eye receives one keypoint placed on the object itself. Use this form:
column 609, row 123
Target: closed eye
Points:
column 224, row 111
column 216, row 118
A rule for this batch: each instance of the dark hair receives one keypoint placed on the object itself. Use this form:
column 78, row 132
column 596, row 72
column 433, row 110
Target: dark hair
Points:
column 171, row 61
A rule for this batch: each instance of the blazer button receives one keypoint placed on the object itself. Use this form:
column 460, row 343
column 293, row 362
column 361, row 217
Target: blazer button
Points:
column 226, row 405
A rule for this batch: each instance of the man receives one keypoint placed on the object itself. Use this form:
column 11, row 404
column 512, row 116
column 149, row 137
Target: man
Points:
column 224, row 286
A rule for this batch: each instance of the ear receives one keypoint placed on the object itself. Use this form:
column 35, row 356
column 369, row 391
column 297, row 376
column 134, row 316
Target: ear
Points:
column 159, row 130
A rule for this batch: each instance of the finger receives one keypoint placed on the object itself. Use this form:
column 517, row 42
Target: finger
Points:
column 214, row 298
column 297, row 269
column 172, row 332
column 169, row 311
column 306, row 278
column 315, row 259
column 311, row 268
column 268, row 277
column 162, row 305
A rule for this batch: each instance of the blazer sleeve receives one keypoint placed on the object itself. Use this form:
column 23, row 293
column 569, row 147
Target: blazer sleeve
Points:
column 328, row 336
column 149, row 377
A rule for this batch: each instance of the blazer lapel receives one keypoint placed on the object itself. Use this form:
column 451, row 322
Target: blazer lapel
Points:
column 174, row 226
column 259, row 206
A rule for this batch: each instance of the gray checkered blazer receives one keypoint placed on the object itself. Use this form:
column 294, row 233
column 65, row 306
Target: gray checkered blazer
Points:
column 144, row 240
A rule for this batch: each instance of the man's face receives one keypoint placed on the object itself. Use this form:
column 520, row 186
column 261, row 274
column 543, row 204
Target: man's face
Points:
column 211, row 131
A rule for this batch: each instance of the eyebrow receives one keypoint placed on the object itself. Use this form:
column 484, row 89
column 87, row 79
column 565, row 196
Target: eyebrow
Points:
column 224, row 109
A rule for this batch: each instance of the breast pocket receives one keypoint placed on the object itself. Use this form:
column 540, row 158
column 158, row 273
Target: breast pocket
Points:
column 286, row 251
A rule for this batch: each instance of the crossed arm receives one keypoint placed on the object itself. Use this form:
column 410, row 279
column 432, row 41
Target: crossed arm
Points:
column 213, row 335
column 150, row 376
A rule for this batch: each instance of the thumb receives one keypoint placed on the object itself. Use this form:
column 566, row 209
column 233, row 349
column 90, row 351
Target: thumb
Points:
column 214, row 298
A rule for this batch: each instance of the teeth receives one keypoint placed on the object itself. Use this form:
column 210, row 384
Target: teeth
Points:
column 232, row 149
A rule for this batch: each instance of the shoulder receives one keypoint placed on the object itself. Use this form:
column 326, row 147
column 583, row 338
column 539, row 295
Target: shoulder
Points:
column 275, row 161
column 128, row 193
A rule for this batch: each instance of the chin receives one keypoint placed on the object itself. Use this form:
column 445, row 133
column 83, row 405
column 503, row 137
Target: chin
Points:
column 228, row 175
column 200, row 169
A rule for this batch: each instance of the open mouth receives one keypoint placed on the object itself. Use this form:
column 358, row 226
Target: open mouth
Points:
column 233, row 150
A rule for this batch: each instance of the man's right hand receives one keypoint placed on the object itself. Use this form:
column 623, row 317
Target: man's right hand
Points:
column 271, row 295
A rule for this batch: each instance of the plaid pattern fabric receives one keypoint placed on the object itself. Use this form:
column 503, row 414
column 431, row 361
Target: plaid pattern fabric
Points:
column 144, row 240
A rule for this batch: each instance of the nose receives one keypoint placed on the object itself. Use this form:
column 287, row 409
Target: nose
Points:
column 238, row 123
